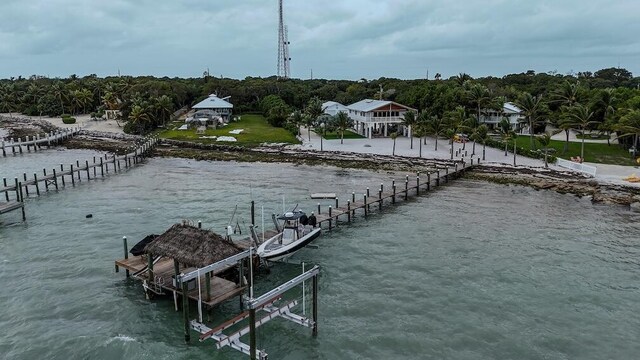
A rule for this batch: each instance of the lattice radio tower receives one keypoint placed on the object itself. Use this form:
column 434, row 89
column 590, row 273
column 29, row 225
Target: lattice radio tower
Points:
column 283, row 47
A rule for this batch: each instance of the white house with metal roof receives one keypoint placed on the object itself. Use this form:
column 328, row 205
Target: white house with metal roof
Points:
column 509, row 111
column 332, row 108
column 222, row 107
column 378, row 117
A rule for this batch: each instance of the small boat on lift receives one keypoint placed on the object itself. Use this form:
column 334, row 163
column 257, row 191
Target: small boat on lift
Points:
column 297, row 232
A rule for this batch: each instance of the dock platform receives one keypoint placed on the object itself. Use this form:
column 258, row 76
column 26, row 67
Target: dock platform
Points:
column 163, row 271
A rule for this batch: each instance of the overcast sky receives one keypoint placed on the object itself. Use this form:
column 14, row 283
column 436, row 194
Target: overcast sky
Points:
column 348, row 39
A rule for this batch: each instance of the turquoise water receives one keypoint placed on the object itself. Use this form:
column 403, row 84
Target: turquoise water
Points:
column 470, row 271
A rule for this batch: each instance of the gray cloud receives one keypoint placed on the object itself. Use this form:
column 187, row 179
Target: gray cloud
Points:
column 354, row 39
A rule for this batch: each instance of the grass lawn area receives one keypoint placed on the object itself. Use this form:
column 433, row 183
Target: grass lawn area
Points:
column 593, row 152
column 332, row 135
column 256, row 131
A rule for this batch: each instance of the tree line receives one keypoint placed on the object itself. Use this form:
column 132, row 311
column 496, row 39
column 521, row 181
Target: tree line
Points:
column 607, row 100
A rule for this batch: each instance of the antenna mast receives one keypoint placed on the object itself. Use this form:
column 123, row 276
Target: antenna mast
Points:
column 283, row 47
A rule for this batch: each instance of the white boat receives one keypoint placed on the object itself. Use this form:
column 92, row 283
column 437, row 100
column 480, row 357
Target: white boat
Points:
column 295, row 235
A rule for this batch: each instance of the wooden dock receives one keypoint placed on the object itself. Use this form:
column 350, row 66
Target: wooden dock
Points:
column 163, row 272
column 36, row 142
column 60, row 177
column 410, row 187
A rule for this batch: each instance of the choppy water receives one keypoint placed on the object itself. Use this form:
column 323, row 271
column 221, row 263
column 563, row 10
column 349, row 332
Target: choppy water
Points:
column 470, row 271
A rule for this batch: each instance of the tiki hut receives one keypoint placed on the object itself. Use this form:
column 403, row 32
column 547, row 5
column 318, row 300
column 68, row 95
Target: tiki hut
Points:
column 192, row 246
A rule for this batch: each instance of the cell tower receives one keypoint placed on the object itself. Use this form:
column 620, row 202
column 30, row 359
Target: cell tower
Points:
column 283, row 47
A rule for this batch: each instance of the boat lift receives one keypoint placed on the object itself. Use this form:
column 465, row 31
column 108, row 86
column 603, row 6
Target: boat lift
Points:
column 263, row 303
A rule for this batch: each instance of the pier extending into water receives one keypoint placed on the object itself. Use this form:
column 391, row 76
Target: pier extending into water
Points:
column 36, row 142
column 14, row 192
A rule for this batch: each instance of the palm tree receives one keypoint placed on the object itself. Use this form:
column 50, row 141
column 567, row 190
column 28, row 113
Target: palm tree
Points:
column 164, row 107
column 530, row 106
column 457, row 121
column 409, row 120
column 605, row 106
column 421, row 131
column 567, row 96
column 504, row 128
column 60, row 92
column 394, row 136
column 545, row 140
column 313, row 111
column 630, row 126
column 481, row 134
column 582, row 118
column 343, row 122
column 139, row 117
column 436, row 126
column 296, row 119
column 480, row 96
column 473, row 125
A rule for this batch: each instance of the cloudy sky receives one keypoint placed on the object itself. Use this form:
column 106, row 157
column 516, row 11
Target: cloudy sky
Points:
column 348, row 39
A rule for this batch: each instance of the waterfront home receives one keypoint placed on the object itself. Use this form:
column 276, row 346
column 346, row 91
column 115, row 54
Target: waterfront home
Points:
column 378, row 117
column 221, row 107
column 333, row 108
column 510, row 111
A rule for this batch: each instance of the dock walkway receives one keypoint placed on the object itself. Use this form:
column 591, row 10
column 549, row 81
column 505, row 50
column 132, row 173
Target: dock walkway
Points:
column 24, row 186
column 36, row 142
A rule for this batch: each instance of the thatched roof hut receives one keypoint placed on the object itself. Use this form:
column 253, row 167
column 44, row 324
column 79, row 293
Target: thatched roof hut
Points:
column 192, row 246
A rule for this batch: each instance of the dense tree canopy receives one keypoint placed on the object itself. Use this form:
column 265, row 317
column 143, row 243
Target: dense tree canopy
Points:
column 147, row 102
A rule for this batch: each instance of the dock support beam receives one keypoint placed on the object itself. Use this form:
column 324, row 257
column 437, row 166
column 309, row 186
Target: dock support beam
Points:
column 126, row 253
column 185, row 313
column 315, row 305
column 252, row 334
column 253, row 212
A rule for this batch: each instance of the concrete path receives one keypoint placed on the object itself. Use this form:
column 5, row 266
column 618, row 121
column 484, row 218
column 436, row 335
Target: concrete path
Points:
column 612, row 174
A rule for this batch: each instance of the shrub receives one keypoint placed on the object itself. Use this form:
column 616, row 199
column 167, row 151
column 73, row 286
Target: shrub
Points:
column 69, row 120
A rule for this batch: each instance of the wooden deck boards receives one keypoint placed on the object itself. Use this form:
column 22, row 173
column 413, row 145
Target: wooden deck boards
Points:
column 221, row 289
column 5, row 207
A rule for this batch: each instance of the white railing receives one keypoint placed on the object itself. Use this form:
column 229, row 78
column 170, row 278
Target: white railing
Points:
column 586, row 169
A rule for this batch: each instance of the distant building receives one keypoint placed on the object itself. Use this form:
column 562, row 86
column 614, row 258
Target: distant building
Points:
column 378, row 117
column 219, row 107
column 509, row 111
column 332, row 108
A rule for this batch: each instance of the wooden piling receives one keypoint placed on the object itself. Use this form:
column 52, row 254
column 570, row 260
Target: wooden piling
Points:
column 185, row 313
column 55, row 179
column 349, row 211
column 253, row 212
column 418, row 185
column 26, row 187
column 330, row 217
column 73, row 181
column 86, row 162
column 380, row 199
column 393, row 187
column 35, row 180
column 46, row 182
column 252, row 334
column 207, row 280
column 406, row 190
column 126, row 251
column 315, row 305
column 365, row 206
column 6, row 192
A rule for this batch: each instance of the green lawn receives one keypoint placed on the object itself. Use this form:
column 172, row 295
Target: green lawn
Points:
column 593, row 152
column 332, row 135
column 256, row 131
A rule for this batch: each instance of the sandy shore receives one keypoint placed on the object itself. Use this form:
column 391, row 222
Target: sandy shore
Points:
column 608, row 174
column 83, row 121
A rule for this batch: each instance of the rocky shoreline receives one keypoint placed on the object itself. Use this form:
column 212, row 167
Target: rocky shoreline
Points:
column 564, row 182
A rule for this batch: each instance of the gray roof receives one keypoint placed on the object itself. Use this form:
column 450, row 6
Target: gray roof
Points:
column 510, row 107
column 213, row 102
column 328, row 104
column 367, row 105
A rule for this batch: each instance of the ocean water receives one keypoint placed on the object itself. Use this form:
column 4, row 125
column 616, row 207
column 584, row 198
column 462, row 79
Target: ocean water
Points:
column 470, row 271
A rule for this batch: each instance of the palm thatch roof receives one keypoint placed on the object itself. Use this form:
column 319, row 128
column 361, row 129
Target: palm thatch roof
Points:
column 192, row 246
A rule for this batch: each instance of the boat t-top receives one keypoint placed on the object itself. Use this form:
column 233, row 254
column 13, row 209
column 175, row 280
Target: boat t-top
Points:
column 297, row 232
